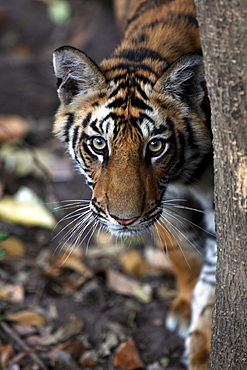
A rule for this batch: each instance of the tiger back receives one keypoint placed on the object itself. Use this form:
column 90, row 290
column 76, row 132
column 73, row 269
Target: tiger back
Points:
column 137, row 128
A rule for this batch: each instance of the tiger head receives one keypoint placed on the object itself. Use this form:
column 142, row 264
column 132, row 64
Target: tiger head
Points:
column 132, row 131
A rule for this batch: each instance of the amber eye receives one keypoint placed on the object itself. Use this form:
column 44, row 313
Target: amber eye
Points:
column 155, row 147
column 98, row 144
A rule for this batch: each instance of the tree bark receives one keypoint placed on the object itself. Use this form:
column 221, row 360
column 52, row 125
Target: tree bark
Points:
column 223, row 27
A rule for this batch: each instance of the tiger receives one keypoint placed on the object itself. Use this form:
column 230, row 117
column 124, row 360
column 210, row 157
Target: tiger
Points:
column 138, row 127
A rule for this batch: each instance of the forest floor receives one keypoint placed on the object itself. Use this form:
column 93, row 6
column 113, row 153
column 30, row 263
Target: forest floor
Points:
column 105, row 304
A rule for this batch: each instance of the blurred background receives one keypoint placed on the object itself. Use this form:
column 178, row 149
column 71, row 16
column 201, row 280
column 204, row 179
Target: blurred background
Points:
column 64, row 306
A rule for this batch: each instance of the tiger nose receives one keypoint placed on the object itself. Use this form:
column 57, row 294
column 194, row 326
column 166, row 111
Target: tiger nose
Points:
column 124, row 222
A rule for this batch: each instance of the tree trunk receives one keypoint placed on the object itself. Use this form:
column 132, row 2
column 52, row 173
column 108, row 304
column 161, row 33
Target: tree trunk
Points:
column 223, row 27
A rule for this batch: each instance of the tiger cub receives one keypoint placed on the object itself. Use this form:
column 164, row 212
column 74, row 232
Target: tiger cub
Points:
column 138, row 127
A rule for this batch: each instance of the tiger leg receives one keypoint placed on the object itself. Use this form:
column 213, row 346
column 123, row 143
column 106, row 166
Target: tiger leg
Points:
column 198, row 340
column 187, row 265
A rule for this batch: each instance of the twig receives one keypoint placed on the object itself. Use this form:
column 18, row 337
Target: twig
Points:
column 8, row 330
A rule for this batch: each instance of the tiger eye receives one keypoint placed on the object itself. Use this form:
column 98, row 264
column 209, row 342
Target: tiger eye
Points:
column 155, row 146
column 98, row 144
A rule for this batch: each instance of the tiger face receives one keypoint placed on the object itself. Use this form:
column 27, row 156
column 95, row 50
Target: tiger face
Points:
column 131, row 135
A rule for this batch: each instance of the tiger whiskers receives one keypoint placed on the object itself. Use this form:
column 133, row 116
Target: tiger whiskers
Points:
column 178, row 233
column 82, row 225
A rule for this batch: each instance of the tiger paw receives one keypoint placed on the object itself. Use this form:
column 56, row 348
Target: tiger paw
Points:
column 198, row 349
column 178, row 318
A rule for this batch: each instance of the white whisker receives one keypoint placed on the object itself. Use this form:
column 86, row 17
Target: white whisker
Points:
column 175, row 236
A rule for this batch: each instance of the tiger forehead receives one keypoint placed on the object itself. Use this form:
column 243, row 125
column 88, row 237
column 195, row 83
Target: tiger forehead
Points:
column 126, row 122
column 125, row 108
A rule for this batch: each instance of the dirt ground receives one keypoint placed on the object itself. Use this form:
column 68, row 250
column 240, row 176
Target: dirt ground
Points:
column 92, row 312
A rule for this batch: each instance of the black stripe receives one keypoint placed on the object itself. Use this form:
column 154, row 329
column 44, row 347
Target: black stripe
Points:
column 182, row 149
column 122, row 85
column 94, row 127
column 75, row 136
column 113, row 116
column 88, row 151
column 206, row 281
column 145, row 7
column 84, row 136
column 191, row 138
column 138, row 55
column 128, row 67
column 86, row 120
column 174, row 19
column 170, row 123
column 142, row 37
column 209, row 263
column 145, row 116
column 138, row 103
column 117, row 103
column 159, row 130
column 201, row 165
column 141, row 92
column 69, row 123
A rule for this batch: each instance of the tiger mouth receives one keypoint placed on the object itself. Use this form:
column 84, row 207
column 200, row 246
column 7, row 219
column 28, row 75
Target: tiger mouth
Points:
column 130, row 230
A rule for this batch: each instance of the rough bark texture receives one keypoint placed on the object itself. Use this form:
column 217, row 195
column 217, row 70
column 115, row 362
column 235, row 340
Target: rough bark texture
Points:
column 223, row 27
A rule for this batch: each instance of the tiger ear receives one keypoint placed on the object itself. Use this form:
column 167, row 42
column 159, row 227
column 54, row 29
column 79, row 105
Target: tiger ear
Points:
column 184, row 80
column 76, row 73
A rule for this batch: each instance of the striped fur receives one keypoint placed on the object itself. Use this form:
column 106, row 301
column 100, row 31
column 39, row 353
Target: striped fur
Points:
column 138, row 127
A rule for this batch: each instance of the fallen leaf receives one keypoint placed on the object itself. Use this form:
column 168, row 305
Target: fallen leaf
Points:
column 73, row 347
column 22, row 162
column 12, row 127
column 125, row 285
column 158, row 261
column 12, row 292
column 133, row 263
column 25, row 213
column 27, row 317
column 74, row 326
column 165, row 292
column 13, row 247
column 127, row 356
column 88, row 359
column 143, row 293
column 24, row 330
column 110, row 341
column 72, row 262
column 106, row 250
column 6, row 352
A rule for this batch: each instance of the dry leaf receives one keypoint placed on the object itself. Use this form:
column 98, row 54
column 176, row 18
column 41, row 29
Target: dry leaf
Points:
column 73, row 347
column 12, row 127
column 13, row 247
column 158, row 261
column 74, row 326
column 27, row 317
column 133, row 263
column 25, row 213
column 72, row 262
column 13, row 293
column 20, row 161
column 88, row 359
column 6, row 352
column 124, row 285
column 24, row 330
column 120, row 283
column 127, row 356
column 165, row 292
column 106, row 250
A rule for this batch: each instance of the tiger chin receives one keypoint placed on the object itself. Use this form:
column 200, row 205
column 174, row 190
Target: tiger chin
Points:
column 138, row 128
